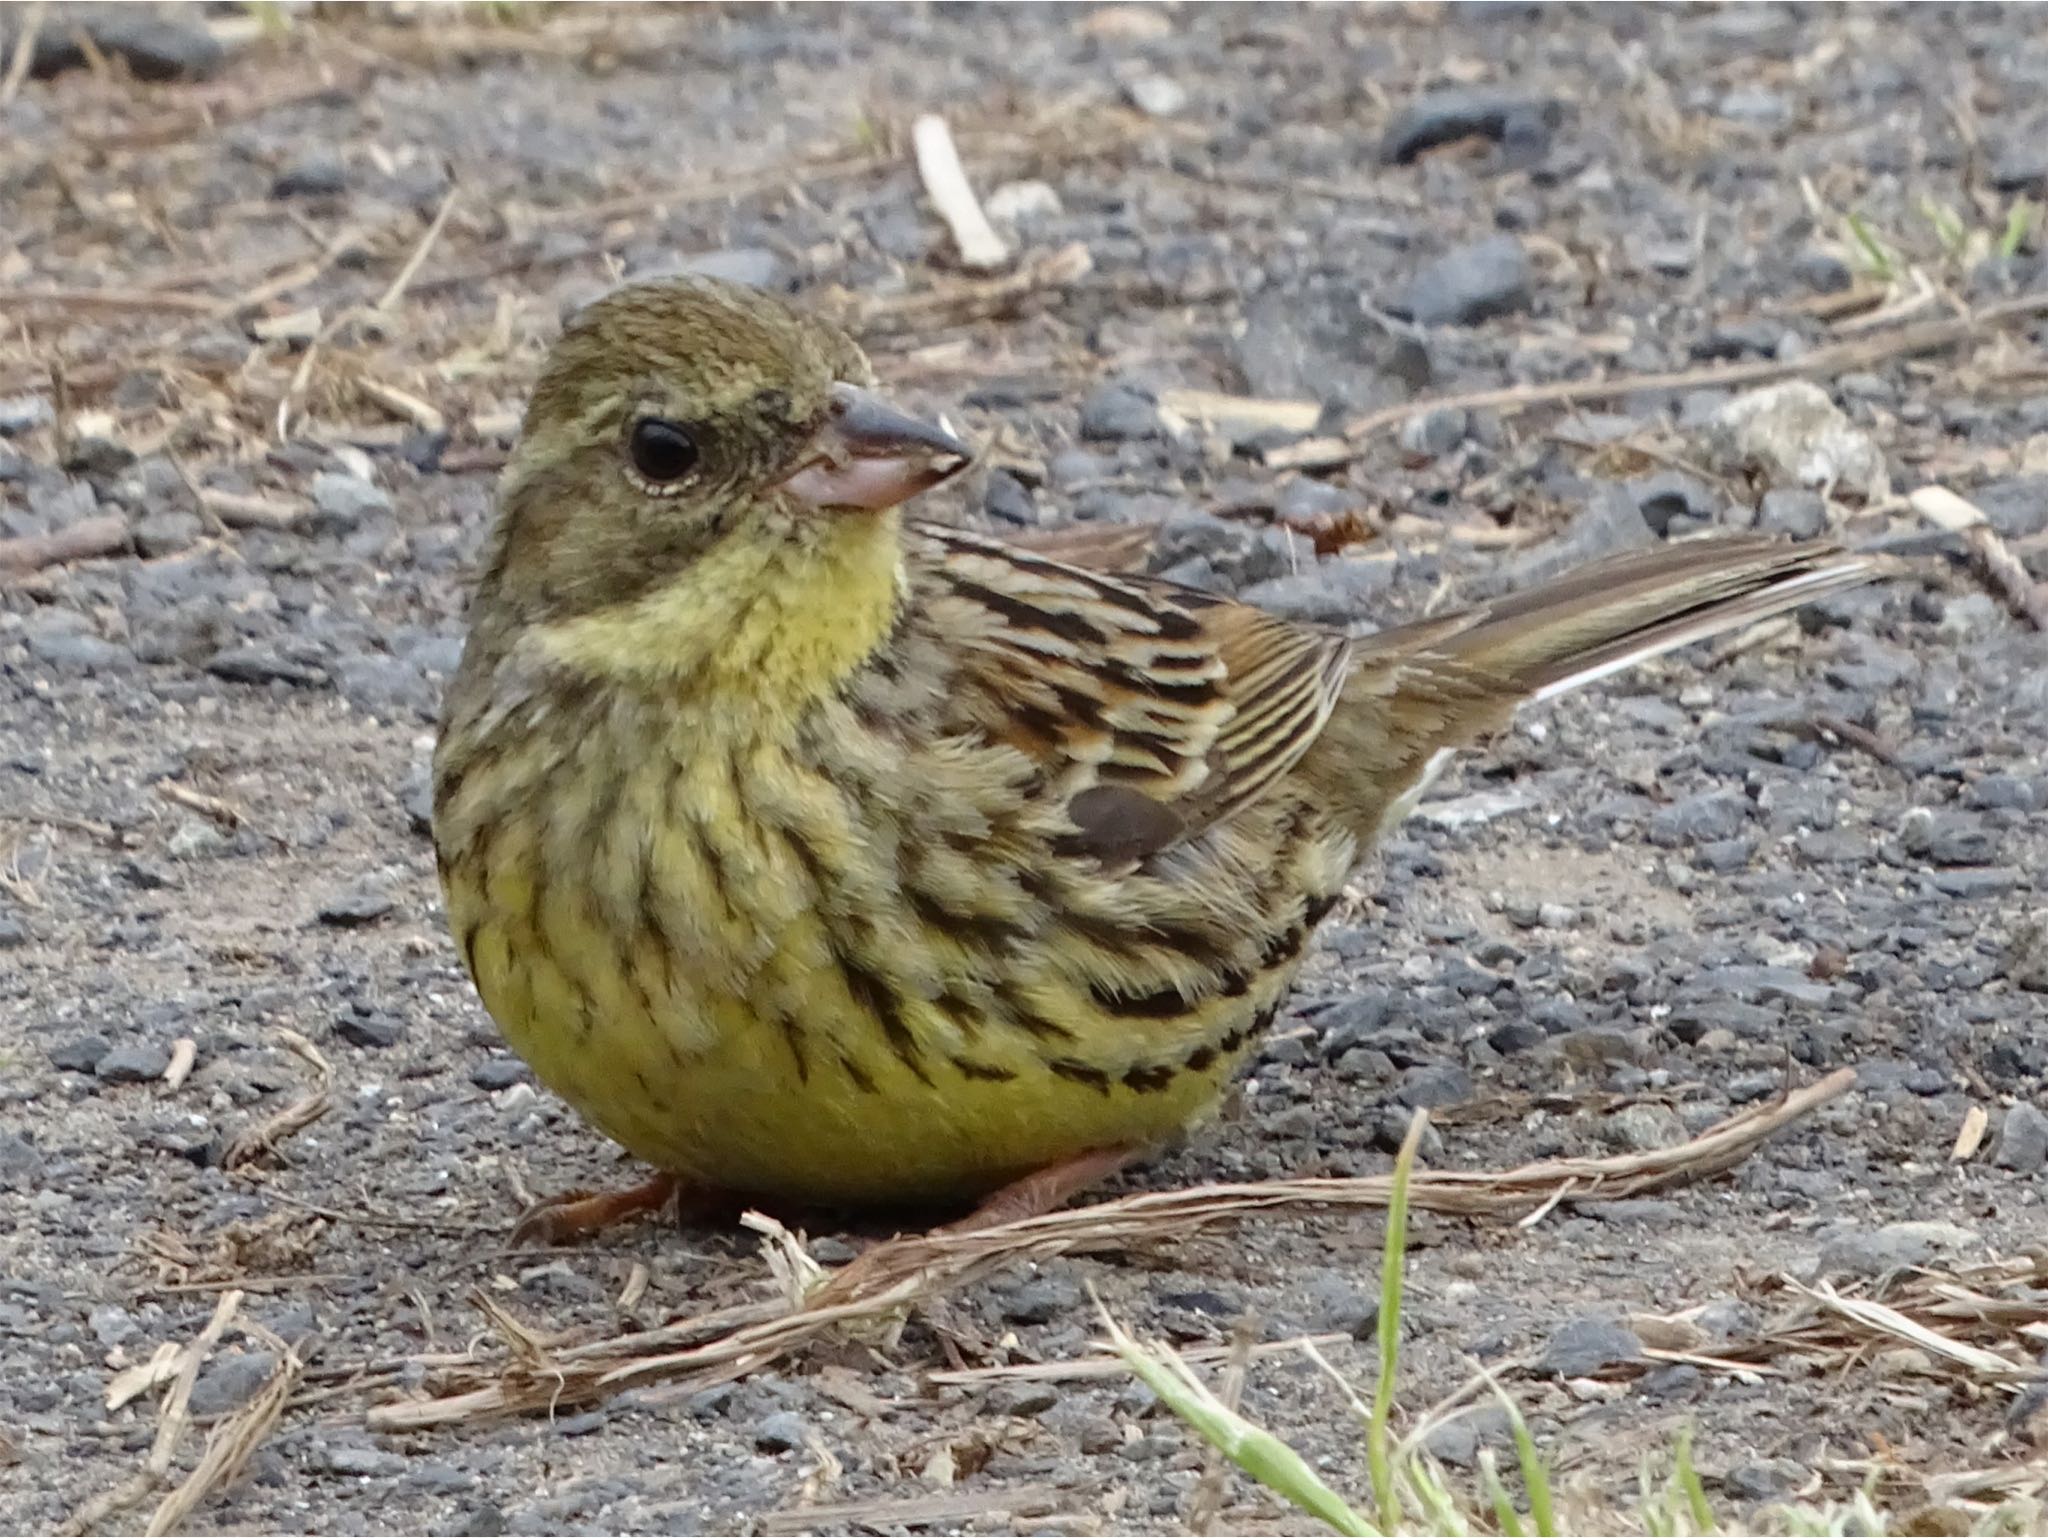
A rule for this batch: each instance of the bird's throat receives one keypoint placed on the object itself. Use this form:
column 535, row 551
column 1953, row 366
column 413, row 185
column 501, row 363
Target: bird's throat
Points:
column 779, row 622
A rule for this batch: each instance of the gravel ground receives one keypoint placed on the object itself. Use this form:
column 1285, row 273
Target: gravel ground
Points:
column 1643, row 910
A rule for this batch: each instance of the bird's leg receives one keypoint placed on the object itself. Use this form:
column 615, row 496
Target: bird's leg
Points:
column 577, row 1215
column 1033, row 1196
column 1043, row 1190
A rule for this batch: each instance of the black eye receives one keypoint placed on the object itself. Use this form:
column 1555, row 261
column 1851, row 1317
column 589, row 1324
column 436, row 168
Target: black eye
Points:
column 663, row 451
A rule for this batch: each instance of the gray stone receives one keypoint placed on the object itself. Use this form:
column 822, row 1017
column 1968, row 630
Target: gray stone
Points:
column 752, row 266
column 166, row 533
column 2002, row 792
column 152, row 45
column 1585, row 1346
column 2023, row 1140
column 352, row 1460
column 226, row 1382
column 80, row 1055
column 138, row 1062
column 352, row 906
column 1470, row 284
column 258, row 664
column 496, row 1073
column 1644, row 1128
column 2021, row 164
column 74, row 652
column 1894, row 1247
column 318, row 173
column 1116, row 413
column 101, row 457
column 21, row 1164
column 1703, row 818
column 1039, row 1299
column 1435, row 432
column 1022, row 1399
column 780, row 1431
column 1432, row 1088
column 343, row 501
column 374, row 1031
column 1670, row 495
column 1793, row 512
column 1336, row 592
column 22, row 413
column 1516, row 121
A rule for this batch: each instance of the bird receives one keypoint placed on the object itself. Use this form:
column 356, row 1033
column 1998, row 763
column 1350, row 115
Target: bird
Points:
column 823, row 856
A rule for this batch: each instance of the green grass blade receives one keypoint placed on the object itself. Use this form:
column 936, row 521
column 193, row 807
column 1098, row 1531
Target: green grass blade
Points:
column 1393, row 1261
column 1505, row 1517
column 1535, row 1475
column 1687, row 1478
column 1265, row 1457
column 2019, row 224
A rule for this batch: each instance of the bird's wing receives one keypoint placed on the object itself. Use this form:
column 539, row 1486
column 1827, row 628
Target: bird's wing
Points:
column 1156, row 710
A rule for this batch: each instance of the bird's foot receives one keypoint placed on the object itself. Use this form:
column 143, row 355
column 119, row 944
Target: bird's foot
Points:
column 575, row 1215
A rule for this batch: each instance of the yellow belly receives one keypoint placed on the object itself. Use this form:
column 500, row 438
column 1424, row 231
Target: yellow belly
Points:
column 741, row 1116
column 771, row 999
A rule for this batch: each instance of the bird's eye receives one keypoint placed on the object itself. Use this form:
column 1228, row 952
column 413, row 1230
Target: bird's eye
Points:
column 663, row 451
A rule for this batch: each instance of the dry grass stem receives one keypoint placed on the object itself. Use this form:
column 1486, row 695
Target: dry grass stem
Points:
column 895, row 1276
column 2003, row 572
column 81, row 541
column 1082, row 1368
column 949, row 1511
column 264, row 1137
column 1821, row 362
column 172, row 1420
column 228, row 1448
column 945, row 183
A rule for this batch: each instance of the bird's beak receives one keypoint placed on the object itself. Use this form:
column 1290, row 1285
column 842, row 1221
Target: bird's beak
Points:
column 869, row 455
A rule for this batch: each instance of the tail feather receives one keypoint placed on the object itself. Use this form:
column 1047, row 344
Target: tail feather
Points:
column 1419, row 692
column 1616, row 613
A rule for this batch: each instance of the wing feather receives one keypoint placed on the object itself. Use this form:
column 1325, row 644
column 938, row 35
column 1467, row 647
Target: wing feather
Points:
column 1193, row 702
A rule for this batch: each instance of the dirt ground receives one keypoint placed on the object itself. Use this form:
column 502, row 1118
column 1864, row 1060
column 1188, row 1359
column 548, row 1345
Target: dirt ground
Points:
column 267, row 324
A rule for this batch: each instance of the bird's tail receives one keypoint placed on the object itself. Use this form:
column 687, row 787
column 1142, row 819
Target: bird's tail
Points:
column 1419, row 691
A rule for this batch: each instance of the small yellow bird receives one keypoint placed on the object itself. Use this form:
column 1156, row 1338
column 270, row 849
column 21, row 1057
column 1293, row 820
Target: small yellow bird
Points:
column 818, row 856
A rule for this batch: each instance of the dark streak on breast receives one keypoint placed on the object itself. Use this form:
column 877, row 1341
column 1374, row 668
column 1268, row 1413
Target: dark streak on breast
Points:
column 1160, row 1004
column 983, row 930
column 793, row 1036
column 987, row 1072
column 1080, row 1073
column 1147, row 1079
column 871, row 991
column 861, row 1079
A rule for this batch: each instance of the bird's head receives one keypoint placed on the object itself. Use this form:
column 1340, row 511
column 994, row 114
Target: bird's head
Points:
column 695, row 452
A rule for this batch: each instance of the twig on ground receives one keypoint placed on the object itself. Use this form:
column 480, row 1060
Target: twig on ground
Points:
column 240, row 510
column 388, row 302
column 264, row 1137
column 1836, row 358
column 24, row 50
column 2003, row 572
column 213, row 808
column 81, row 541
column 945, row 183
